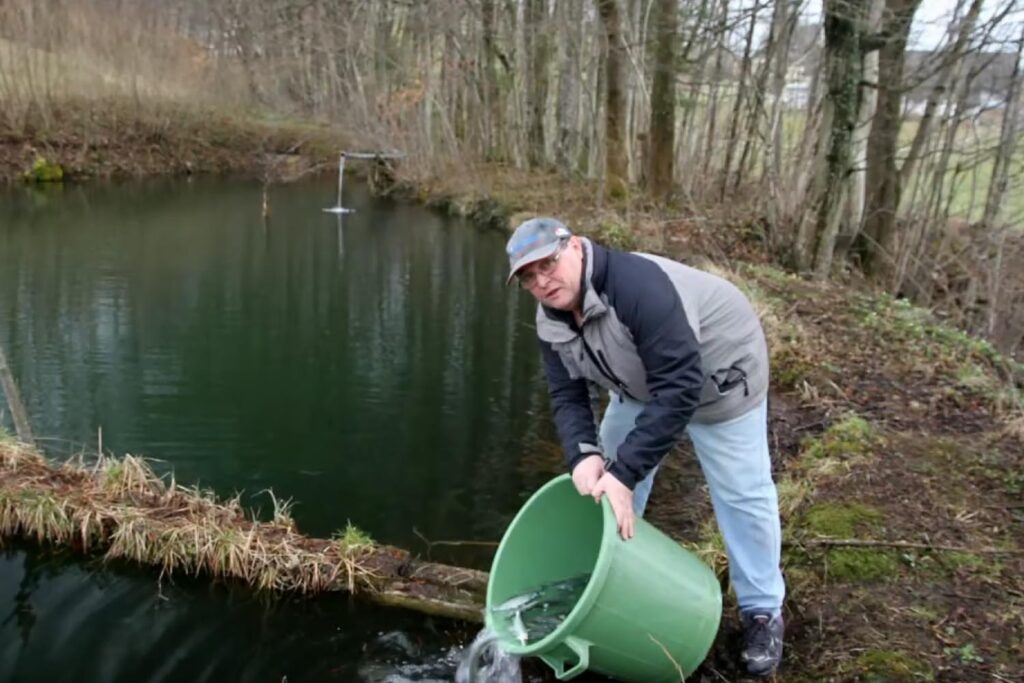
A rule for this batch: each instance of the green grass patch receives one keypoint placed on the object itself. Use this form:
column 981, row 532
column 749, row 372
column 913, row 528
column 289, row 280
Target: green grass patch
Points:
column 44, row 171
column 848, row 437
column 858, row 565
column 890, row 666
column 352, row 537
column 965, row 654
column 975, row 364
column 842, row 520
column 972, row 562
column 616, row 235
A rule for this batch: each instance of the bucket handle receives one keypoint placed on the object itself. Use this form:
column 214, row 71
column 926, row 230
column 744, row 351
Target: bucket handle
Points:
column 582, row 650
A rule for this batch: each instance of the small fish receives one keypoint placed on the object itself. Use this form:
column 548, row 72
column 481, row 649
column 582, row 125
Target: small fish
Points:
column 519, row 602
column 519, row 629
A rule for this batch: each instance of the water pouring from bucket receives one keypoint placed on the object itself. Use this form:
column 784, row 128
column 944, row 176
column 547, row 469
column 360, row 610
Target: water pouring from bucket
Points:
column 566, row 588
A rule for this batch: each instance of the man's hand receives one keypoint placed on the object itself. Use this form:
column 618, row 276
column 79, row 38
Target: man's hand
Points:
column 586, row 473
column 621, row 498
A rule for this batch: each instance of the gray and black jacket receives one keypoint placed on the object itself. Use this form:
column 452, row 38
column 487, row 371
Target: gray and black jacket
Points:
column 685, row 343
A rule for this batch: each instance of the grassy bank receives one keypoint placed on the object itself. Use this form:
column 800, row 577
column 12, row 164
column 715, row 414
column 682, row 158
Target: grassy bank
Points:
column 119, row 138
column 119, row 508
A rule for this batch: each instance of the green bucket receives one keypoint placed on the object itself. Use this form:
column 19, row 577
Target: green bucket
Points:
column 650, row 609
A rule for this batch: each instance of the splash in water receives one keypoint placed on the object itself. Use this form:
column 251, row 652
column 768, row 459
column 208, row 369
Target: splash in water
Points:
column 531, row 616
column 485, row 662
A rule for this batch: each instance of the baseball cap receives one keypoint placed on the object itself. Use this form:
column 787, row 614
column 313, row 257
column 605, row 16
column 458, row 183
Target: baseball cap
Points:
column 534, row 240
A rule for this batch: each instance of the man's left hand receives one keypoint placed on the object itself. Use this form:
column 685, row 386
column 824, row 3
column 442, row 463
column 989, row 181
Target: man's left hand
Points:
column 621, row 498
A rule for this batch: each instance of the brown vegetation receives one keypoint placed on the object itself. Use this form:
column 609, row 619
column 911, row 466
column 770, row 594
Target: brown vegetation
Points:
column 120, row 508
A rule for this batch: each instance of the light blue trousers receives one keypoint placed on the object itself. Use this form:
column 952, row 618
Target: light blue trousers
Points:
column 734, row 458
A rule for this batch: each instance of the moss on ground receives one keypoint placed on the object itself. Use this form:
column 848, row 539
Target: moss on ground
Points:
column 890, row 666
column 855, row 565
column 850, row 436
column 842, row 520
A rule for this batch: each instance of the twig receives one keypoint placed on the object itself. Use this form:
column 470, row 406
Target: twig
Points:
column 431, row 544
column 716, row 672
column 908, row 544
column 18, row 414
column 682, row 677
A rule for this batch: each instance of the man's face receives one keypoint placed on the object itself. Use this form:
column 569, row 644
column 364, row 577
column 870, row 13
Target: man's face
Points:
column 555, row 281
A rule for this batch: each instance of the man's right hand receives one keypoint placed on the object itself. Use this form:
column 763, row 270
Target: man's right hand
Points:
column 587, row 473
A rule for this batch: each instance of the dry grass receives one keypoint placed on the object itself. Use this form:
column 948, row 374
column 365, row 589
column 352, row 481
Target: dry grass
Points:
column 120, row 507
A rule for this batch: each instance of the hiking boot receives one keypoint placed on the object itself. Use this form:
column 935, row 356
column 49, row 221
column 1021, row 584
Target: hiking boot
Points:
column 762, row 643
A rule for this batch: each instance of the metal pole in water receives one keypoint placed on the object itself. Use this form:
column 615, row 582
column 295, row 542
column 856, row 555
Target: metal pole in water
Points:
column 341, row 176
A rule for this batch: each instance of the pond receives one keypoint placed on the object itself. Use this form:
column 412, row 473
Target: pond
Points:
column 372, row 368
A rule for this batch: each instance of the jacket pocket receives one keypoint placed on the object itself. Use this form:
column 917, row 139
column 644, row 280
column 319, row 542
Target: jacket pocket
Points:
column 725, row 382
column 567, row 352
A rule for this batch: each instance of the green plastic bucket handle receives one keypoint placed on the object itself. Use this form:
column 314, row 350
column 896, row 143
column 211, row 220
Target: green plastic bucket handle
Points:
column 557, row 662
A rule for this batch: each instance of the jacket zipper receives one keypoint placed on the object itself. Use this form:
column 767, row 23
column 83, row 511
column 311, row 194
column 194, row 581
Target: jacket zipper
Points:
column 605, row 369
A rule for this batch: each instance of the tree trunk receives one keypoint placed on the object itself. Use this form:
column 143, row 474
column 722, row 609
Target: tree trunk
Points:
column 616, row 165
column 569, row 76
column 844, row 22
column 489, row 78
column 716, row 79
column 663, row 125
column 865, row 115
column 997, row 192
column 737, row 107
column 882, row 180
column 1007, row 146
column 784, row 16
column 535, row 28
column 950, row 73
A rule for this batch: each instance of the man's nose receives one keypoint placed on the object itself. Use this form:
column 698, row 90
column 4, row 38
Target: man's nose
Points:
column 538, row 275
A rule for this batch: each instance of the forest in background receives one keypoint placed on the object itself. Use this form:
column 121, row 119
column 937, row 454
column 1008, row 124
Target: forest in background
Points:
column 844, row 148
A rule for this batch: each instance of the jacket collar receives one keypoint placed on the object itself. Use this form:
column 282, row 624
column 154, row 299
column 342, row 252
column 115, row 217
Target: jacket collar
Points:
column 595, row 267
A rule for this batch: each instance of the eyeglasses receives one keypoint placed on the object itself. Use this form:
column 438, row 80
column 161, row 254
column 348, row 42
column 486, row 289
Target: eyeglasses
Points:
column 528, row 278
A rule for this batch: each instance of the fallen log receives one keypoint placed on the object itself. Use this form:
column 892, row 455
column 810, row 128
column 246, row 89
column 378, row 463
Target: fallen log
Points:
column 119, row 507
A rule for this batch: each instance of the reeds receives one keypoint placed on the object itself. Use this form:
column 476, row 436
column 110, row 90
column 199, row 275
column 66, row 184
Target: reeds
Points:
column 122, row 508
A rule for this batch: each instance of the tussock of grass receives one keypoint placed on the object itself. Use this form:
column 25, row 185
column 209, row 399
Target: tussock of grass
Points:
column 851, row 437
column 121, row 507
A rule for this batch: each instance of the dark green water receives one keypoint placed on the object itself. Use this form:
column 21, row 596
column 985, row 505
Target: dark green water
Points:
column 375, row 370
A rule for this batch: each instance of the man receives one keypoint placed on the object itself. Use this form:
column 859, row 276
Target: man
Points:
column 679, row 350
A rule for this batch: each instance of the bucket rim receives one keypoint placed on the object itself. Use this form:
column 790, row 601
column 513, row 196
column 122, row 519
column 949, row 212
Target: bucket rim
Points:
column 602, row 564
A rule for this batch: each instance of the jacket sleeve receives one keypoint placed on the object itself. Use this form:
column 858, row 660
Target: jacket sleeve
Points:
column 651, row 309
column 570, row 403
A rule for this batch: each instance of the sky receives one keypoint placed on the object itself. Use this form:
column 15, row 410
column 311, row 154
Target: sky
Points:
column 932, row 20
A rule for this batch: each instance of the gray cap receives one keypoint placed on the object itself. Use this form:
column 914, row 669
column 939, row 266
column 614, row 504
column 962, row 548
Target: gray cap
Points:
column 534, row 240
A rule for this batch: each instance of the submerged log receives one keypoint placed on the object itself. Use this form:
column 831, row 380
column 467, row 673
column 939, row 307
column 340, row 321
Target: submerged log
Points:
column 121, row 508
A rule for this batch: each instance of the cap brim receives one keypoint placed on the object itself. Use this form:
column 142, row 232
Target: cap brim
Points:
column 536, row 255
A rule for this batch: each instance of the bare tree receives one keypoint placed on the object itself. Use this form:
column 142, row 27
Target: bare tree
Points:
column 663, row 99
column 616, row 162
column 882, row 179
column 844, row 30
